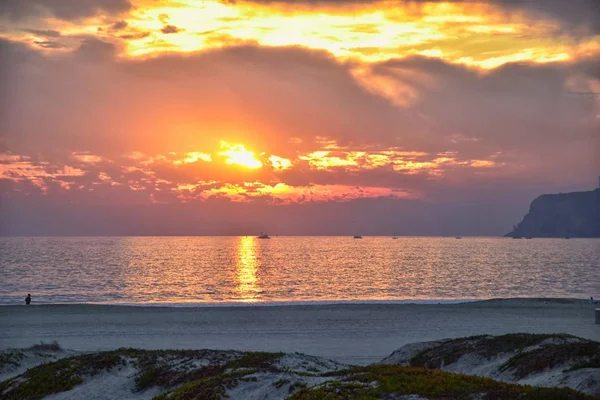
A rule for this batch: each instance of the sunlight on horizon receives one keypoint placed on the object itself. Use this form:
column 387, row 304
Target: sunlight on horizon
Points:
column 248, row 289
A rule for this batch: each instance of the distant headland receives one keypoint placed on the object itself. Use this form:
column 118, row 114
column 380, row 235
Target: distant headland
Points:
column 566, row 215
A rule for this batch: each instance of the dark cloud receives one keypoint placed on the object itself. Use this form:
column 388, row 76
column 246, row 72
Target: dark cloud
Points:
column 134, row 36
column 281, row 100
column 170, row 29
column 578, row 15
column 119, row 25
column 512, row 108
column 590, row 67
column 62, row 9
column 92, row 49
column 43, row 32
column 48, row 44
column 292, row 93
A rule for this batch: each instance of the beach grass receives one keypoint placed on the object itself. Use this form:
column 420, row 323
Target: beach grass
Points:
column 9, row 358
column 482, row 345
column 390, row 381
column 213, row 374
column 545, row 357
column 57, row 376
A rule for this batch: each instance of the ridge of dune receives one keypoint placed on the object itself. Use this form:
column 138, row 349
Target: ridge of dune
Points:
column 556, row 360
column 485, row 363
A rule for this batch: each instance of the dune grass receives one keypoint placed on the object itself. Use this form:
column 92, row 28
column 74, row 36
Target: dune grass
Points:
column 486, row 346
column 57, row 376
column 11, row 358
column 390, row 381
column 549, row 356
column 182, row 377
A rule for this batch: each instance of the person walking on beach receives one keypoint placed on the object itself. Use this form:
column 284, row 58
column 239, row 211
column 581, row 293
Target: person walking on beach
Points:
column 28, row 299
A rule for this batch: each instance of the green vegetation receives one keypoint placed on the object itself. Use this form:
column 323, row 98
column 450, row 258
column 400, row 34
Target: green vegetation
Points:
column 58, row 376
column 485, row 346
column 165, row 377
column 183, row 377
column 210, row 388
column 389, row 381
column 549, row 356
column 162, row 368
column 155, row 369
column 11, row 357
column 211, row 382
column 593, row 362
column 567, row 348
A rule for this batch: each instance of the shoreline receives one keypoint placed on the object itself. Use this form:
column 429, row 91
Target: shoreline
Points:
column 316, row 303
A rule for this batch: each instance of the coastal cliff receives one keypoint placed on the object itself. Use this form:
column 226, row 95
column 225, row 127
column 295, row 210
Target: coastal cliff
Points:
column 562, row 215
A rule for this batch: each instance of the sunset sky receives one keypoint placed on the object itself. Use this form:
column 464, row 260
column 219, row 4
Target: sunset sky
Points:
column 293, row 117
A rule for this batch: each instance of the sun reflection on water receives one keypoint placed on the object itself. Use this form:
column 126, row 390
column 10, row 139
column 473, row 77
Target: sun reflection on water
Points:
column 248, row 289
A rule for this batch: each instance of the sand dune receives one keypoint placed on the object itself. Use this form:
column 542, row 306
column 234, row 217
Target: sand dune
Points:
column 537, row 360
column 543, row 361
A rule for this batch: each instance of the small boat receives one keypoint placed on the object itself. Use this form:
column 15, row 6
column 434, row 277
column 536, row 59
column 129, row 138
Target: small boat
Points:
column 394, row 237
column 264, row 236
column 458, row 237
column 566, row 237
column 357, row 237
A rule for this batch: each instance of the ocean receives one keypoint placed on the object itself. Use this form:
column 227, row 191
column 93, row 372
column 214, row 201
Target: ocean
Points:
column 186, row 271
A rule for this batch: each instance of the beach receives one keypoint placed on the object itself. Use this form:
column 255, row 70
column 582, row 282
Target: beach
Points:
column 348, row 333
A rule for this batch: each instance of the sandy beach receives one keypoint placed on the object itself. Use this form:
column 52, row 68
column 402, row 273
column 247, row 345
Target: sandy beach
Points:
column 348, row 333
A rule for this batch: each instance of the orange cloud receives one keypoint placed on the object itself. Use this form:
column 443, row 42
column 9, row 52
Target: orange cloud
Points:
column 279, row 163
column 192, row 157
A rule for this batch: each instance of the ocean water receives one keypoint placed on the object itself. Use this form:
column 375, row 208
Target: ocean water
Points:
column 223, row 270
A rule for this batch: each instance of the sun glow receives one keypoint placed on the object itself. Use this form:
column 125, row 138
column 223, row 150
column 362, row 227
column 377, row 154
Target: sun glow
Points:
column 247, row 267
column 238, row 155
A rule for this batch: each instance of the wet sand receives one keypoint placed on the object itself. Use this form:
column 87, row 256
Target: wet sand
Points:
column 349, row 333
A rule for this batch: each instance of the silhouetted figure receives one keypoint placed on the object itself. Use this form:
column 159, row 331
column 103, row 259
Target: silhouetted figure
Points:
column 28, row 299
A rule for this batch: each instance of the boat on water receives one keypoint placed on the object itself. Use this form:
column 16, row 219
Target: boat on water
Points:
column 394, row 237
column 458, row 237
column 357, row 237
column 264, row 236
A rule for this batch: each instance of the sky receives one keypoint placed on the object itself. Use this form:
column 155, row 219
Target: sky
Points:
column 330, row 117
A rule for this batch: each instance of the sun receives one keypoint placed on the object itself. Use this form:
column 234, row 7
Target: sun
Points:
column 238, row 155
